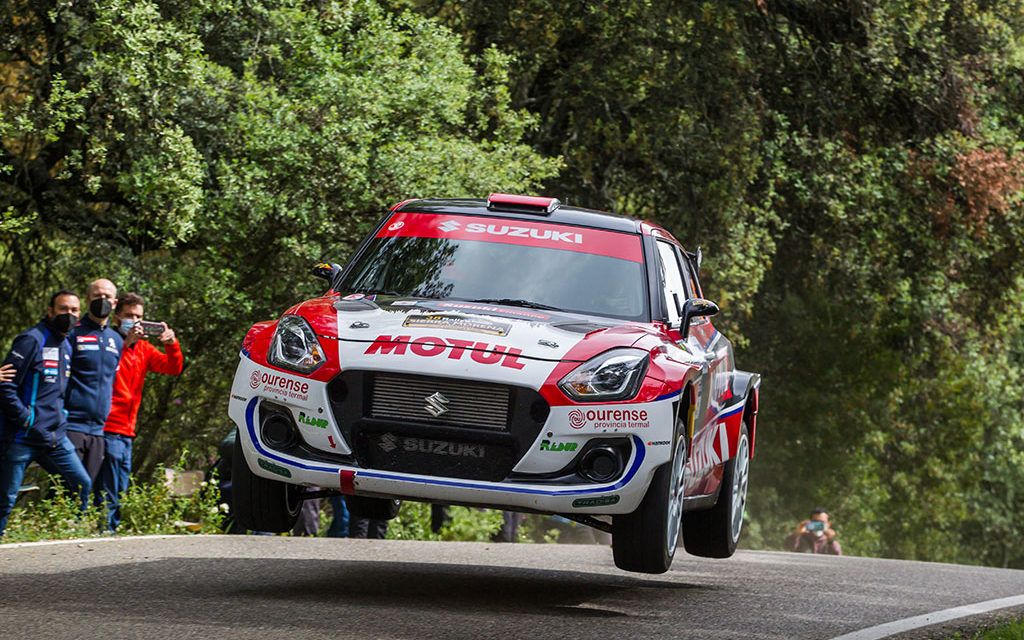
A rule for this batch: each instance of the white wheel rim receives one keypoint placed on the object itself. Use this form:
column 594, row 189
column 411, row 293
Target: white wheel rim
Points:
column 741, row 473
column 677, row 486
column 292, row 501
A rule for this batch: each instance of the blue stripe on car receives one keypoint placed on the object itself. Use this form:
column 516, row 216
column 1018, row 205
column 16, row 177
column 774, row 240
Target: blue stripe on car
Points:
column 725, row 413
column 670, row 394
column 250, row 424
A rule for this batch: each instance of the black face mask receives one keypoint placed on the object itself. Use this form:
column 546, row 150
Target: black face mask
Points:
column 100, row 307
column 62, row 322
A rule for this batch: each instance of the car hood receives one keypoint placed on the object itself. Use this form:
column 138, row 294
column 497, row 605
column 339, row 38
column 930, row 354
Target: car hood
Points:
column 526, row 333
column 456, row 339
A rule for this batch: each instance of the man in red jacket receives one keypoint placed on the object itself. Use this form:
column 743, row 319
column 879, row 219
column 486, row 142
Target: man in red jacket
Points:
column 137, row 358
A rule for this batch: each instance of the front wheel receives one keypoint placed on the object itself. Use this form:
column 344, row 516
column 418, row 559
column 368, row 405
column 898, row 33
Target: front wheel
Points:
column 714, row 533
column 261, row 504
column 645, row 541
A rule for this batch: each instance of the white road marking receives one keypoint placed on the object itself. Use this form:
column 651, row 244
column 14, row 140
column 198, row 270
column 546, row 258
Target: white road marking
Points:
column 935, row 617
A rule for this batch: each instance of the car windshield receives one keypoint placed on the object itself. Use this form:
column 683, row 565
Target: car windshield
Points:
column 502, row 273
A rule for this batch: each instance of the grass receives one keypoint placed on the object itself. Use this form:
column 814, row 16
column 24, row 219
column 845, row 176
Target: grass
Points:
column 146, row 509
column 1013, row 630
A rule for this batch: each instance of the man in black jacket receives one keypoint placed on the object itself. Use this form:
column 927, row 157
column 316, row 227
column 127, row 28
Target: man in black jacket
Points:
column 32, row 422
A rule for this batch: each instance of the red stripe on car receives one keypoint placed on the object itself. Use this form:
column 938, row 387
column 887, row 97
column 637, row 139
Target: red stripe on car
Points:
column 508, row 231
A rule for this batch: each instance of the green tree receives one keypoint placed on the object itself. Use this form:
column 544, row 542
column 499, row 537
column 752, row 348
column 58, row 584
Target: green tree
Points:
column 206, row 153
column 651, row 106
column 855, row 169
column 900, row 260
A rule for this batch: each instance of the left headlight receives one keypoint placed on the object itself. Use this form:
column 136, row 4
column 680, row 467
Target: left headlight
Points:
column 613, row 375
column 295, row 346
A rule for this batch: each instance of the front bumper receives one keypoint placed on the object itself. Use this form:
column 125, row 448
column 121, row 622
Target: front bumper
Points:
column 328, row 460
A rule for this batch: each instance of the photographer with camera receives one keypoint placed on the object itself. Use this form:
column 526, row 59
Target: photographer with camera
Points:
column 137, row 359
column 814, row 535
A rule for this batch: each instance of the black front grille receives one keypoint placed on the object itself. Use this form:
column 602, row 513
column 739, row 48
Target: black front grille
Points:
column 451, row 402
column 482, row 432
column 436, row 453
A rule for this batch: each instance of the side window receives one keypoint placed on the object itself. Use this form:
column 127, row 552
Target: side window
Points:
column 671, row 281
column 690, row 278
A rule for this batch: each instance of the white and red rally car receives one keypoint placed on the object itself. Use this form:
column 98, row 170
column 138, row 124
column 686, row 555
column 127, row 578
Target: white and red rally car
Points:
column 509, row 353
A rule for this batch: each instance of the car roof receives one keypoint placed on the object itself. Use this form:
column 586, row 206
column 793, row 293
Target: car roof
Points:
column 563, row 214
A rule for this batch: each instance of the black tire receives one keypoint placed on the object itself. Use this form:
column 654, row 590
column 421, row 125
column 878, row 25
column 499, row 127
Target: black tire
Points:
column 372, row 508
column 261, row 504
column 715, row 532
column 645, row 541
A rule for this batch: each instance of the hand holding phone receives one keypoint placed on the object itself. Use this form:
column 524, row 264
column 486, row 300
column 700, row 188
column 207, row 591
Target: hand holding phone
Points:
column 152, row 328
column 814, row 526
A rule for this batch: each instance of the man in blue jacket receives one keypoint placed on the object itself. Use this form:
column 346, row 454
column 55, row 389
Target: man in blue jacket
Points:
column 32, row 422
column 95, row 354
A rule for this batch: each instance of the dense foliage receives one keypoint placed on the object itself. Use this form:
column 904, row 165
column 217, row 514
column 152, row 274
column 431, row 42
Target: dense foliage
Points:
column 853, row 170
column 207, row 153
column 47, row 511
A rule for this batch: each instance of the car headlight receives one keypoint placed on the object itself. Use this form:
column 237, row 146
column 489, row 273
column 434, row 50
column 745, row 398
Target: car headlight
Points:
column 613, row 375
column 295, row 346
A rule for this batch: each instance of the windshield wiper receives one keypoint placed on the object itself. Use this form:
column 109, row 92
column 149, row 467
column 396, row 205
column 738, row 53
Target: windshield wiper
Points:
column 515, row 302
column 380, row 292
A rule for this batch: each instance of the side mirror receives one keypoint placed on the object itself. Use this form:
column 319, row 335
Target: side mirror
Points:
column 325, row 270
column 696, row 258
column 696, row 308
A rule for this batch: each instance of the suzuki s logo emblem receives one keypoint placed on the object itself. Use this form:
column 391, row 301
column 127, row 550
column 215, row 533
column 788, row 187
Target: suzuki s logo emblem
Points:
column 388, row 442
column 437, row 404
column 449, row 226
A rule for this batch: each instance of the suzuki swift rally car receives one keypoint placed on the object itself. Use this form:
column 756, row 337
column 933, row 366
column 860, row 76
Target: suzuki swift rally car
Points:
column 509, row 353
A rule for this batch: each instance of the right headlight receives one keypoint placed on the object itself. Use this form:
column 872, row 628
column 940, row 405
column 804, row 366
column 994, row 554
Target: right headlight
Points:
column 295, row 346
column 613, row 375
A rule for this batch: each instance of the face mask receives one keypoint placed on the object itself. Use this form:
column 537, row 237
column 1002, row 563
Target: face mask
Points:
column 100, row 307
column 63, row 322
column 126, row 326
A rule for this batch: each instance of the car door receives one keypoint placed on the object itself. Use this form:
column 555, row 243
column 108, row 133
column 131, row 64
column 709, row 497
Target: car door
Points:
column 710, row 445
column 713, row 346
column 676, row 290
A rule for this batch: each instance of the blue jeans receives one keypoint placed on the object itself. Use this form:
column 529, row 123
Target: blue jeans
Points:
column 339, row 524
column 115, row 474
column 61, row 460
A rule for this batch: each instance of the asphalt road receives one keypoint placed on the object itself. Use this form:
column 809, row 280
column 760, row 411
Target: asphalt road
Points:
column 273, row 587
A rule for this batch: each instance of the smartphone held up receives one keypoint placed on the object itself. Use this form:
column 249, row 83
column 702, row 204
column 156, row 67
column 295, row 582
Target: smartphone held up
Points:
column 149, row 329
column 815, row 526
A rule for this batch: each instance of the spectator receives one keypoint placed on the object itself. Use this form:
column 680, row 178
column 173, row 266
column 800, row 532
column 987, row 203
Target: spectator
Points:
column 308, row 522
column 222, row 467
column 226, row 454
column 439, row 517
column 339, row 521
column 367, row 528
column 814, row 535
column 95, row 353
column 509, row 531
column 32, row 420
column 138, row 358
column 7, row 372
